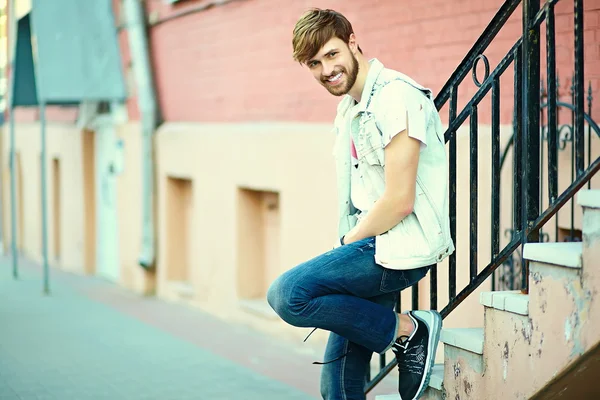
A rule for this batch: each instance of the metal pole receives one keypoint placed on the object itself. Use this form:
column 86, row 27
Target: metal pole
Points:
column 531, row 129
column 7, row 13
column 44, row 198
column 13, row 192
column 579, row 89
column 148, row 105
column 13, row 32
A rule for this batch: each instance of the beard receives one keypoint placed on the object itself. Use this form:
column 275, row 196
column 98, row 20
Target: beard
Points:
column 350, row 76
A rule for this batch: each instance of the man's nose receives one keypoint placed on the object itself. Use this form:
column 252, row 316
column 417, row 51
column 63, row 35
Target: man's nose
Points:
column 328, row 69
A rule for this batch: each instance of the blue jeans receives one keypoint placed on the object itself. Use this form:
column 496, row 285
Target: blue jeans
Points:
column 345, row 292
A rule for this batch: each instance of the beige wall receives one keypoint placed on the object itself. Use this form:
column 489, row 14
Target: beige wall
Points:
column 64, row 144
column 295, row 161
column 224, row 164
column 74, row 150
column 129, row 192
column 225, row 194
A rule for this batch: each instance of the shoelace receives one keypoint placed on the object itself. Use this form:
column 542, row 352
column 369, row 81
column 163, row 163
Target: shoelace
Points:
column 401, row 347
column 330, row 361
column 406, row 351
column 311, row 332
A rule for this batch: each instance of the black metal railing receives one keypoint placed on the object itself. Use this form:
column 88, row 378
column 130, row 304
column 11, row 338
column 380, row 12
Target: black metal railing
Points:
column 559, row 139
column 530, row 214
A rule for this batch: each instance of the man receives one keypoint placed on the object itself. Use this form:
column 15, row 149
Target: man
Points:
column 393, row 216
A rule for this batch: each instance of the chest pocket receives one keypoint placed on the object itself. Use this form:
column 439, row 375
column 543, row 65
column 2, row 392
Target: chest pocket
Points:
column 367, row 139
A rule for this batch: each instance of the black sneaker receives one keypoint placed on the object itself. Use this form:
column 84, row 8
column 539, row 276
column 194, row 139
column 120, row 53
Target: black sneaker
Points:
column 416, row 353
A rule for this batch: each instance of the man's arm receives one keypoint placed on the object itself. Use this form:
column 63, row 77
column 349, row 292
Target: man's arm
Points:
column 397, row 201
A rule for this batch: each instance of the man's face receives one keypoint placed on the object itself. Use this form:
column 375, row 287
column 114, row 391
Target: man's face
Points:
column 335, row 66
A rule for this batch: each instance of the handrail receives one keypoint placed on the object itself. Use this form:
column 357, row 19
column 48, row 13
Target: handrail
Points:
column 528, row 217
column 478, row 48
column 483, row 275
column 567, row 195
column 593, row 125
column 447, row 92
column 485, row 87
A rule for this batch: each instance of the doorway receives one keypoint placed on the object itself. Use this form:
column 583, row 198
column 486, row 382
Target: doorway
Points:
column 107, row 228
column 180, row 214
column 89, row 200
column 259, row 231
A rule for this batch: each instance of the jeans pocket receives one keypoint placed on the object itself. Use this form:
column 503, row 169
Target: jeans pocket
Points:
column 394, row 280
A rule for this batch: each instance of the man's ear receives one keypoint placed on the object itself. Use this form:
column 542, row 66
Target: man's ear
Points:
column 352, row 43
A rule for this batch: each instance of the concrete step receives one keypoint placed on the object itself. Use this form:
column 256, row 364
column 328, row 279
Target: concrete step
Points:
column 561, row 254
column 540, row 342
column 469, row 339
column 511, row 301
column 590, row 201
column 434, row 392
column 463, row 362
column 589, row 198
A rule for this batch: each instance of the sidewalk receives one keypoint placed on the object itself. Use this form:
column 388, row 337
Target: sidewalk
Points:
column 93, row 340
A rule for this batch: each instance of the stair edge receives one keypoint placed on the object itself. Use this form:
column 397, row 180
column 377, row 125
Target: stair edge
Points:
column 589, row 198
column 512, row 301
column 562, row 254
column 469, row 339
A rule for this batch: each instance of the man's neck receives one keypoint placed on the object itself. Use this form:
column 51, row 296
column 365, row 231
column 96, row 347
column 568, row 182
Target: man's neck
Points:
column 361, row 79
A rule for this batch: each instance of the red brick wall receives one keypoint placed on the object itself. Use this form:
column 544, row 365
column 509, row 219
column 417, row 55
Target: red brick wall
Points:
column 233, row 63
column 565, row 55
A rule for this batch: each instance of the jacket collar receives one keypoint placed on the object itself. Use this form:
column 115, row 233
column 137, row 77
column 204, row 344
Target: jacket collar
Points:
column 347, row 103
column 374, row 71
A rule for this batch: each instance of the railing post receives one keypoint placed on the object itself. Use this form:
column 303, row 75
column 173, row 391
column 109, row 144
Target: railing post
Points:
column 579, row 90
column 452, row 171
column 530, row 151
column 552, row 110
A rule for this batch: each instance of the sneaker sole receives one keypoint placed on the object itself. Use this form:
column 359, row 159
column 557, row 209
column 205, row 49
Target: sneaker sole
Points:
column 434, row 322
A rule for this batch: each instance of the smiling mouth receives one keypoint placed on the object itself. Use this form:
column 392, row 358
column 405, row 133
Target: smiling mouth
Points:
column 334, row 80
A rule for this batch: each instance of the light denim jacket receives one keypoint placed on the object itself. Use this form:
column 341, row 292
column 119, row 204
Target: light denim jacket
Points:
column 423, row 237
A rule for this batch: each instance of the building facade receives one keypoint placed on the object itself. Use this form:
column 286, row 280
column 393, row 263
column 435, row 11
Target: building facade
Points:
column 243, row 172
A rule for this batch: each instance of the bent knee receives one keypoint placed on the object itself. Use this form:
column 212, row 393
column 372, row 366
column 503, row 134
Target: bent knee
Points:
column 283, row 298
column 278, row 296
column 273, row 295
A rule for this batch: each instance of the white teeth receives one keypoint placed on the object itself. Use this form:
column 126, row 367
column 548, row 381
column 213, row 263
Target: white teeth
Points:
column 335, row 78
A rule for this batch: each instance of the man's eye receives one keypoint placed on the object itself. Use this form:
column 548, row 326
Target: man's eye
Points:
column 331, row 55
column 312, row 64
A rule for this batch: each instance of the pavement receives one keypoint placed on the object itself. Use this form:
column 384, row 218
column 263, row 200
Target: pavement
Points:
column 91, row 339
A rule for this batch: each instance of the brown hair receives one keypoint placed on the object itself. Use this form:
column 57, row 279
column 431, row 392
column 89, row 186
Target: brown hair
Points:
column 315, row 28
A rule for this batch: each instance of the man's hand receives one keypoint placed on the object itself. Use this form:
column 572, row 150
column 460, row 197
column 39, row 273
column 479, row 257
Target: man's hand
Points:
column 397, row 201
column 351, row 236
